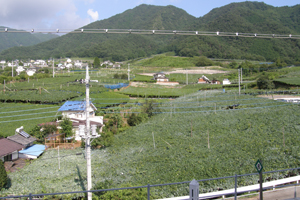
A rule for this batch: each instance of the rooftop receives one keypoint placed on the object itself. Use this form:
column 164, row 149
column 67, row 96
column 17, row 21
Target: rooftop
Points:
column 8, row 146
column 74, row 106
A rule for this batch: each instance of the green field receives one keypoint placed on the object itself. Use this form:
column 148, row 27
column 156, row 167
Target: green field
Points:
column 15, row 115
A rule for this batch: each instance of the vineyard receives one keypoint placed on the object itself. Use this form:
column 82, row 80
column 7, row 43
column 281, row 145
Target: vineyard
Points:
column 201, row 135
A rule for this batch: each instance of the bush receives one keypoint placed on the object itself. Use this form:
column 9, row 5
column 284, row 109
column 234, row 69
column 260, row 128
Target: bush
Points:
column 3, row 175
column 134, row 119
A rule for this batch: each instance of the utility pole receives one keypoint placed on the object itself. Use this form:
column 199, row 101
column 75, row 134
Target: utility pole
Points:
column 187, row 78
column 12, row 70
column 53, row 66
column 128, row 72
column 85, row 133
column 241, row 75
column 239, row 81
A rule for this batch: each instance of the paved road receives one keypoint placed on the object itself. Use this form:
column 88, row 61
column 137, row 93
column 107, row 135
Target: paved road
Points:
column 278, row 194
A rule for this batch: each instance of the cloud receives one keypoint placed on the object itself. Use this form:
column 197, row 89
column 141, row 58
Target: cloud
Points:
column 46, row 14
column 92, row 14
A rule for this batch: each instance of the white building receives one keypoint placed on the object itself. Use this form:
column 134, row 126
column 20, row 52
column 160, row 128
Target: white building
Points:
column 226, row 82
column 75, row 111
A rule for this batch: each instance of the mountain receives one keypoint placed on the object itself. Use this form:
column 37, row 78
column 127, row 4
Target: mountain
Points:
column 251, row 17
column 8, row 40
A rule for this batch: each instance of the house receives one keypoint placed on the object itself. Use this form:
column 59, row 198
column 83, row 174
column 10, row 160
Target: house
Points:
column 78, row 64
column 160, row 77
column 9, row 150
column 69, row 60
column 116, row 65
column 20, row 69
column 75, row 111
column 2, row 62
column 22, row 138
column 215, row 82
column 107, row 63
column 203, row 80
column 30, row 72
column 226, row 82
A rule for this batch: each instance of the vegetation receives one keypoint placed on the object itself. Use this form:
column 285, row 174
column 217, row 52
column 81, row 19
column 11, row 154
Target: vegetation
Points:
column 173, row 146
column 3, row 175
column 66, row 125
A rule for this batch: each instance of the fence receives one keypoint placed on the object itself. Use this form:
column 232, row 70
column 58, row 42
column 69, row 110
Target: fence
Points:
column 272, row 185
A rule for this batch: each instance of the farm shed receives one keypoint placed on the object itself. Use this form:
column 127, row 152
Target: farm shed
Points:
column 9, row 150
column 21, row 137
column 32, row 152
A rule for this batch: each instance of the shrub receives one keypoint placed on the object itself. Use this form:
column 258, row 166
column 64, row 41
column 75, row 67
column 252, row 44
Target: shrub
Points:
column 3, row 175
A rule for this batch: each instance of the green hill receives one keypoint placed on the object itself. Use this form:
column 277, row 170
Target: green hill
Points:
column 247, row 17
column 8, row 40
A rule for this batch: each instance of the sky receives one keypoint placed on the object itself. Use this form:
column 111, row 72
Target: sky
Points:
column 73, row 14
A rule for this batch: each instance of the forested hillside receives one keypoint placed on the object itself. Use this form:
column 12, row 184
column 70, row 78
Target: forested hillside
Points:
column 247, row 17
column 8, row 40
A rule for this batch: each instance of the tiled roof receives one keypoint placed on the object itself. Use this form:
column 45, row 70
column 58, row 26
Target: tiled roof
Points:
column 8, row 146
column 74, row 106
column 21, row 140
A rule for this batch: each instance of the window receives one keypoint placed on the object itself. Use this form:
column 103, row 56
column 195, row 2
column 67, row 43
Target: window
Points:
column 8, row 157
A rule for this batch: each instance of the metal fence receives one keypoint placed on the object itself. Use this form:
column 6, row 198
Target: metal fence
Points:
column 221, row 194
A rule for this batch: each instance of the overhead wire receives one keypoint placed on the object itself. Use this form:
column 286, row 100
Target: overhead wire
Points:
column 152, row 32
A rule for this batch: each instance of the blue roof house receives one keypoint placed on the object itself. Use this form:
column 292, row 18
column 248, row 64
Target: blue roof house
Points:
column 75, row 111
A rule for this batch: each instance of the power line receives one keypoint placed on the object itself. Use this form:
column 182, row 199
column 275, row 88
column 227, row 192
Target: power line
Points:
column 29, row 119
column 154, row 32
column 29, row 110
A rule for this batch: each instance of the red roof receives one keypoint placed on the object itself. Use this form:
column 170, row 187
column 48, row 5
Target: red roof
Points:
column 8, row 147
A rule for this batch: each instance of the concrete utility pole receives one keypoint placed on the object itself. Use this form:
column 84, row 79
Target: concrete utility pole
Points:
column 187, row 78
column 241, row 75
column 53, row 66
column 239, row 82
column 128, row 72
column 85, row 133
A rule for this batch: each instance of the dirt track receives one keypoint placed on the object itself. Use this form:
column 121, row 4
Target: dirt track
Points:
column 192, row 71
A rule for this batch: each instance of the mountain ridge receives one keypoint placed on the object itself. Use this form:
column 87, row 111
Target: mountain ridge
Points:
column 253, row 17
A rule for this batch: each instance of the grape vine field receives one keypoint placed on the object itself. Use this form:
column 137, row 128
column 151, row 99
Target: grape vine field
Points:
column 206, row 134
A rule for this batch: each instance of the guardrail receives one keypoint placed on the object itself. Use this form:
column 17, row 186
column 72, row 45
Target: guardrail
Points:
column 229, row 192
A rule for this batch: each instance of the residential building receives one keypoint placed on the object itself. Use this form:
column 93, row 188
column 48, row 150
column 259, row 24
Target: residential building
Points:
column 75, row 111
column 9, row 150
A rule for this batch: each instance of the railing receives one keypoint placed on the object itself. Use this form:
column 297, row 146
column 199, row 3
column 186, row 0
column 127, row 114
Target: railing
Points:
column 230, row 192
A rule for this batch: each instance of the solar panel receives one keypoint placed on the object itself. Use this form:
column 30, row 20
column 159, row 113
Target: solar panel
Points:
column 24, row 134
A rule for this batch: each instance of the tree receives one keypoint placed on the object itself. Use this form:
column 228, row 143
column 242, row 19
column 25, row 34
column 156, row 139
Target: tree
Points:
column 3, row 175
column 96, row 62
column 66, row 125
column 265, row 83
column 134, row 119
column 148, row 108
